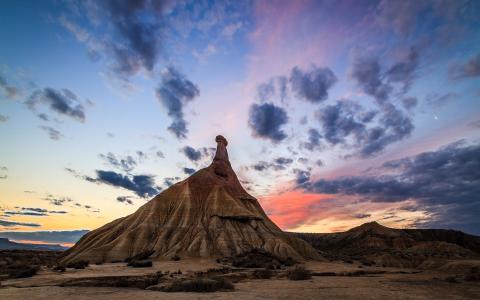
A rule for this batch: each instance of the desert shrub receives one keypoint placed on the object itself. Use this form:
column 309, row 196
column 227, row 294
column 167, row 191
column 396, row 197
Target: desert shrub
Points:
column 23, row 271
column 140, row 256
column 140, row 263
column 258, row 258
column 273, row 266
column 263, row 273
column 199, row 285
column 79, row 264
column 473, row 274
column 59, row 268
column 324, row 274
column 451, row 279
column 175, row 257
column 366, row 263
column 98, row 263
column 299, row 273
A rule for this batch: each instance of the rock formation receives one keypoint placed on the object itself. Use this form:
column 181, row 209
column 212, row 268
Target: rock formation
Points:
column 208, row 214
column 377, row 244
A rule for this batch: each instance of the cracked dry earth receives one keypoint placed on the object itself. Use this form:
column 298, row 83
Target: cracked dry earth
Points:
column 374, row 283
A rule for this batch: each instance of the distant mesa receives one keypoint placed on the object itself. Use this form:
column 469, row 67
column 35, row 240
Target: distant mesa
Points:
column 208, row 214
column 6, row 244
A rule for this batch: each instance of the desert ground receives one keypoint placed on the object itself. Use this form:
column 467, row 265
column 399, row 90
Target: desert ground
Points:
column 330, row 280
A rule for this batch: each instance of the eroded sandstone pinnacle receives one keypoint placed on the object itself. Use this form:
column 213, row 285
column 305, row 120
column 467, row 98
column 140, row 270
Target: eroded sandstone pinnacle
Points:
column 221, row 153
column 209, row 214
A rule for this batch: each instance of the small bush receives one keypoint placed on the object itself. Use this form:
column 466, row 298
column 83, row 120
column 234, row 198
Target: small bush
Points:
column 258, row 258
column 473, row 274
column 140, row 256
column 289, row 262
column 263, row 273
column 23, row 271
column 299, row 273
column 175, row 257
column 140, row 263
column 80, row 264
column 199, row 285
column 59, row 268
column 451, row 279
column 98, row 263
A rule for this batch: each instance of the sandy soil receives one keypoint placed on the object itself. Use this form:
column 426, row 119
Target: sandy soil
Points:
column 393, row 285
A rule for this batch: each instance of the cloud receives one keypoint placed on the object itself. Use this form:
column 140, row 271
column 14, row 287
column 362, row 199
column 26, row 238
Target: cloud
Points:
column 9, row 90
column 409, row 102
column 361, row 216
column 135, row 36
column 474, row 124
column 313, row 140
column 303, row 160
column 376, row 80
column 25, row 213
column 229, row 30
column 3, row 119
column 439, row 100
column 403, row 71
column 203, row 55
column 58, row 201
column 52, row 132
column 160, row 154
column 400, row 15
column 142, row 185
column 312, row 85
column 188, row 171
column 67, row 236
column 94, row 46
column 33, row 211
column 77, row 175
column 367, row 73
column 445, row 183
column 127, row 163
column 273, row 89
column 5, row 223
column 169, row 181
column 175, row 91
column 302, row 176
column 63, row 102
column 2, row 170
column 125, row 199
column 43, row 117
column 340, row 121
column 393, row 124
column 282, row 161
column 470, row 69
column 137, row 27
column 266, row 121
column 279, row 163
column 191, row 153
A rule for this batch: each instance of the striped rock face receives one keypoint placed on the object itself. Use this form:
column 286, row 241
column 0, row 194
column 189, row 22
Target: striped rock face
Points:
column 208, row 214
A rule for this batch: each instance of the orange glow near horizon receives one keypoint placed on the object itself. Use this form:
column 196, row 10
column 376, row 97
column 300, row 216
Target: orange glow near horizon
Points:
column 291, row 208
column 42, row 243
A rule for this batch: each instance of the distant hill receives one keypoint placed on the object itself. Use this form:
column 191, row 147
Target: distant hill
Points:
column 375, row 244
column 6, row 244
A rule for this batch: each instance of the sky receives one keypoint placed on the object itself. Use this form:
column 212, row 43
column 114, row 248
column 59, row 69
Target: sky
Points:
column 337, row 113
